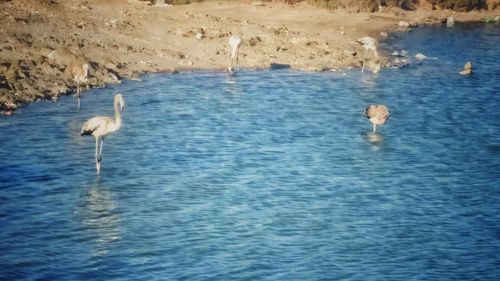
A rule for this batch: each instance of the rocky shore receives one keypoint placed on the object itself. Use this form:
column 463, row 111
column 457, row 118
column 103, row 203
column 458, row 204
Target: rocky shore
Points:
column 121, row 39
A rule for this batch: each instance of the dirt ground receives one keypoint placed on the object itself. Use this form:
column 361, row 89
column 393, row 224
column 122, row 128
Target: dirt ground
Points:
column 121, row 39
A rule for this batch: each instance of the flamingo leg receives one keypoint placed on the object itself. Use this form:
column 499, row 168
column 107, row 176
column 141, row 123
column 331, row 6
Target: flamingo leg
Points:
column 97, row 164
column 230, row 68
column 364, row 60
column 230, row 62
column 233, row 57
column 78, row 94
column 374, row 128
column 100, row 151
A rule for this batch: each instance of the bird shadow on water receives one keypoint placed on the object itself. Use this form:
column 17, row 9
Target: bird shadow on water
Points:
column 97, row 213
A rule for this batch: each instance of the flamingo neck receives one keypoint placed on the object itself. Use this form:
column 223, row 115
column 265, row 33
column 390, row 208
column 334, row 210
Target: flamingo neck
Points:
column 234, row 52
column 118, row 116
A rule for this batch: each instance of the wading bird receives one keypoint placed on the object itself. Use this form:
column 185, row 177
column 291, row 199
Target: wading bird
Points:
column 368, row 43
column 420, row 57
column 101, row 126
column 467, row 69
column 79, row 72
column 234, row 44
column 377, row 114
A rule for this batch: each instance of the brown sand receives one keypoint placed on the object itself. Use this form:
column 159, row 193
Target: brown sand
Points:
column 124, row 38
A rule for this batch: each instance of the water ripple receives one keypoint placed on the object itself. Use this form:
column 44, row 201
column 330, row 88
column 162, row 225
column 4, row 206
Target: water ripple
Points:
column 265, row 175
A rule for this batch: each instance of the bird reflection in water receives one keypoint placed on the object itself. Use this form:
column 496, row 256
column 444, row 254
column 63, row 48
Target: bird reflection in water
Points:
column 99, row 218
column 375, row 139
column 232, row 85
column 369, row 82
column 231, row 79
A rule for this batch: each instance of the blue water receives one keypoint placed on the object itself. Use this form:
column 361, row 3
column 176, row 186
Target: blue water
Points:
column 266, row 175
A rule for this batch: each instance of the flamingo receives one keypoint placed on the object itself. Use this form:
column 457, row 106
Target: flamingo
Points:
column 420, row 57
column 79, row 72
column 234, row 44
column 467, row 69
column 450, row 21
column 101, row 126
column 368, row 43
column 377, row 114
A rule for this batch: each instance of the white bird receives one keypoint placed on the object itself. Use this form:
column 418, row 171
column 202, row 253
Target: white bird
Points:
column 467, row 69
column 234, row 44
column 375, row 67
column 79, row 72
column 368, row 43
column 101, row 126
column 450, row 21
column 377, row 114
column 420, row 56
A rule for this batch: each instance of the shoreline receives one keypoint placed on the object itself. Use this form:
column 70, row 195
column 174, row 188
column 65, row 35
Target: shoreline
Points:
column 123, row 39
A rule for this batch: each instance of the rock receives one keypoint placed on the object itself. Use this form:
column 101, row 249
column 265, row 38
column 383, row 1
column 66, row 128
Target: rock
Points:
column 258, row 4
column 400, row 54
column 10, row 106
column 113, row 22
column 350, row 52
column 398, row 63
column 491, row 19
column 10, row 74
column 109, row 65
column 404, row 24
column 58, row 89
column 48, row 70
column 186, row 62
column 254, row 40
column 384, row 34
column 60, row 58
column 112, row 76
column 159, row 3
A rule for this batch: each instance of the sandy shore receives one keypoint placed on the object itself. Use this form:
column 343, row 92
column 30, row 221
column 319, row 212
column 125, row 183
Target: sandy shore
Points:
column 122, row 39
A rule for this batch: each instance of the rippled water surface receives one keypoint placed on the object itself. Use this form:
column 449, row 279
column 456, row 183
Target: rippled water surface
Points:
column 266, row 175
